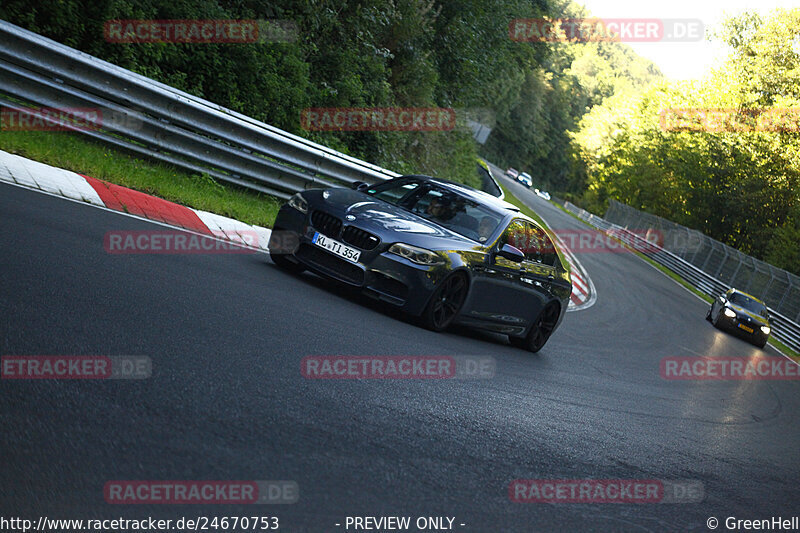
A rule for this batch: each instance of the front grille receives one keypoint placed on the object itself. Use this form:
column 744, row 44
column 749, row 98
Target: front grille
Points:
column 360, row 238
column 330, row 264
column 326, row 223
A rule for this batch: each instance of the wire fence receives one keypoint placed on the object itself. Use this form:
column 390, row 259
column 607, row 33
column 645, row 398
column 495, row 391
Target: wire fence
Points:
column 779, row 289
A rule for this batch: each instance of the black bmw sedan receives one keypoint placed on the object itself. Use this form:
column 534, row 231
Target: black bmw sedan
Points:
column 437, row 250
column 743, row 314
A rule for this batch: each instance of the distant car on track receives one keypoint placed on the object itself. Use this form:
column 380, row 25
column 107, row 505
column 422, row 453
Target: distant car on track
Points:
column 512, row 173
column 741, row 313
column 542, row 194
column 525, row 179
column 435, row 249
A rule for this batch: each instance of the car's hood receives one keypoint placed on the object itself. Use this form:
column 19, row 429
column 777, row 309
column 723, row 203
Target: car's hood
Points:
column 384, row 219
column 741, row 311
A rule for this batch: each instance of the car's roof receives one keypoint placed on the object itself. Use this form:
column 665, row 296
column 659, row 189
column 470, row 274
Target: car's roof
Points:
column 465, row 190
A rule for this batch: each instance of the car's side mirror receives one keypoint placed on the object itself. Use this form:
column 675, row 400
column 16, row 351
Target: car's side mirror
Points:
column 359, row 185
column 511, row 253
column 722, row 300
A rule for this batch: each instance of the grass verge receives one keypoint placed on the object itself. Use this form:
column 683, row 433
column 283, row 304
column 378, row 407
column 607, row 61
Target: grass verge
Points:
column 76, row 153
column 524, row 209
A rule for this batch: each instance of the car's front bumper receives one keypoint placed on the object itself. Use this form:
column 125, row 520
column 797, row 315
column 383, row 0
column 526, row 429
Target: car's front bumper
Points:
column 378, row 273
column 737, row 326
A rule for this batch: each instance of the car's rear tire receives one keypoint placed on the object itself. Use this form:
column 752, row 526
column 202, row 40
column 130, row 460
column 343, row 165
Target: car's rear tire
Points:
column 540, row 331
column 445, row 303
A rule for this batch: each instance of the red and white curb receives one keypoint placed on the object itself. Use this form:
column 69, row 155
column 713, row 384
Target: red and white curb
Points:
column 583, row 294
column 59, row 182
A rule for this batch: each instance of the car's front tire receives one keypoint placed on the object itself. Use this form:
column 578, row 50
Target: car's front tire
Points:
column 445, row 303
column 286, row 264
column 282, row 244
column 540, row 331
column 717, row 319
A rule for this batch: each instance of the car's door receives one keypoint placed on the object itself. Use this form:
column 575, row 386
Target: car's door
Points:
column 498, row 293
column 539, row 268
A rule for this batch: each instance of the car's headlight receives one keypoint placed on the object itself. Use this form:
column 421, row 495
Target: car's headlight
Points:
column 299, row 203
column 420, row 256
column 765, row 330
column 730, row 312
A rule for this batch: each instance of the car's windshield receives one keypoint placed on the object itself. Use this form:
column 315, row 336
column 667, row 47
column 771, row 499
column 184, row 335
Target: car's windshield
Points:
column 748, row 303
column 445, row 207
column 457, row 213
column 394, row 191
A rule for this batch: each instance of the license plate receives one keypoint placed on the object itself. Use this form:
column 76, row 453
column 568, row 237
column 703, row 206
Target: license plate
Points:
column 748, row 330
column 342, row 250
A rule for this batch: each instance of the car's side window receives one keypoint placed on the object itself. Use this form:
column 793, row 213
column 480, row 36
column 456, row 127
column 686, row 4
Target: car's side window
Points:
column 532, row 241
column 514, row 235
column 544, row 251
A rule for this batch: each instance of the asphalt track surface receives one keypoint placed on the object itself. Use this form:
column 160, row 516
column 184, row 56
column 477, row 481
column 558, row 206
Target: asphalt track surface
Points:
column 227, row 401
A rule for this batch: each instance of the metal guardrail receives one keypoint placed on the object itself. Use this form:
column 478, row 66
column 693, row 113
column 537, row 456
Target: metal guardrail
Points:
column 779, row 288
column 160, row 122
column 784, row 329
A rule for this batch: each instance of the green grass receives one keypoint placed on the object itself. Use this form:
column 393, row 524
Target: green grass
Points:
column 524, row 209
column 785, row 349
column 78, row 154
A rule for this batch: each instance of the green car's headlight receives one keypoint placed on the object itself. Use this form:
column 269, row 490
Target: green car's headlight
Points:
column 730, row 312
column 420, row 256
column 765, row 330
